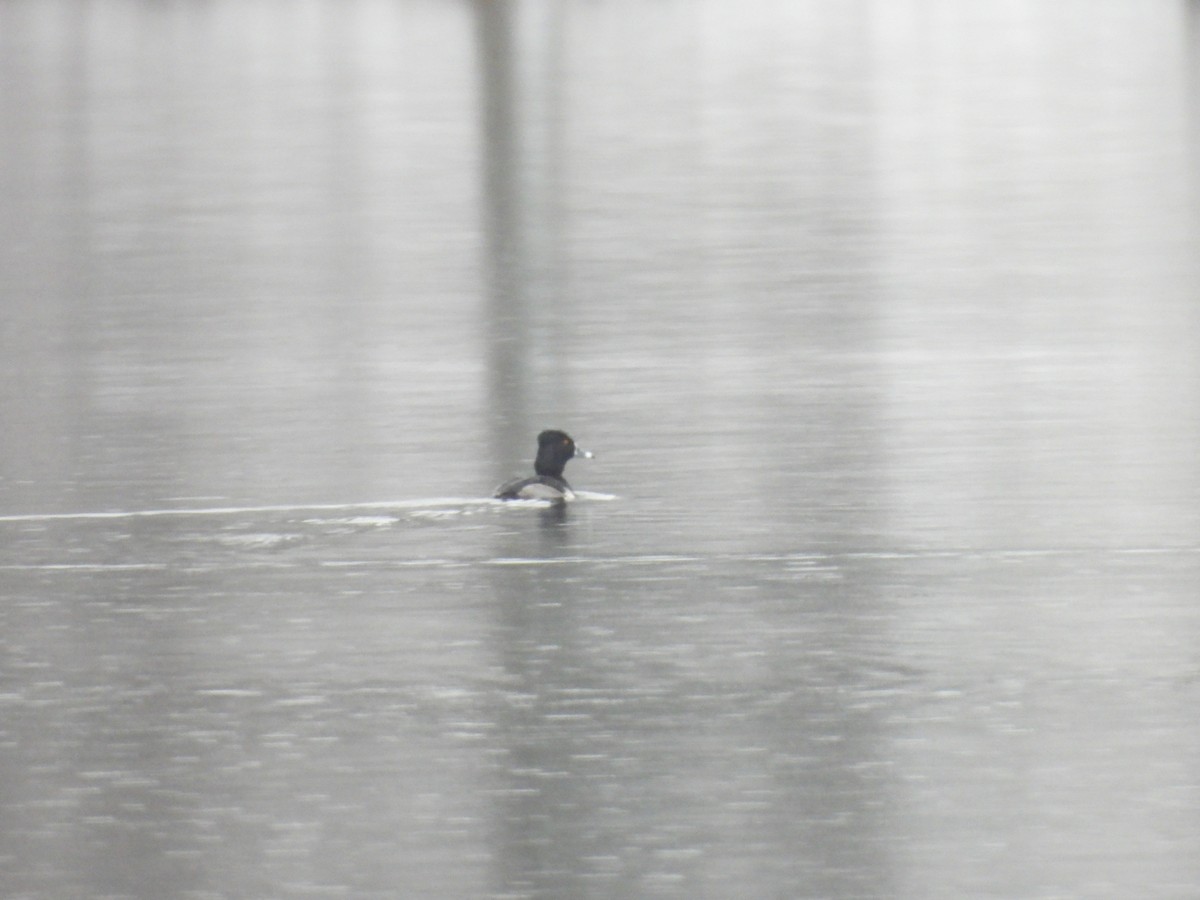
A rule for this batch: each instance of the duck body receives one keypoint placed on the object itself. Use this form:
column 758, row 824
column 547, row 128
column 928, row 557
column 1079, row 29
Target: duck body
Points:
column 555, row 449
column 537, row 487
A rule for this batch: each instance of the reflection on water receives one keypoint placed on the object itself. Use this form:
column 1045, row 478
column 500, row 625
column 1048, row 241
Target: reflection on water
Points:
column 888, row 351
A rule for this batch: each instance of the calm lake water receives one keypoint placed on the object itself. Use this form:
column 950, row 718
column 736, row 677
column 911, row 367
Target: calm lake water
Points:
column 882, row 319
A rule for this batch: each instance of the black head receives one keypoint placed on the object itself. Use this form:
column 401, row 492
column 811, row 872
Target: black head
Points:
column 555, row 448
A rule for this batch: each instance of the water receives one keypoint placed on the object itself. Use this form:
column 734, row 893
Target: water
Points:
column 881, row 319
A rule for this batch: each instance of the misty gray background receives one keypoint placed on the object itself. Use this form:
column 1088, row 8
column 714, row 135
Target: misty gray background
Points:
column 881, row 318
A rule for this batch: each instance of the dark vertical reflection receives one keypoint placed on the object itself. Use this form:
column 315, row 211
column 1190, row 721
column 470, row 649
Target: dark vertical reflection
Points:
column 45, row 246
column 518, row 199
column 518, row 60
column 543, row 805
column 500, row 205
column 346, row 236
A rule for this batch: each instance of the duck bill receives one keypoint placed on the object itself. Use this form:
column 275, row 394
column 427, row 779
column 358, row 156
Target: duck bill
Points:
column 584, row 454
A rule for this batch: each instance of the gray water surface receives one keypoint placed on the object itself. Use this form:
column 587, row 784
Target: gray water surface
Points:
column 882, row 320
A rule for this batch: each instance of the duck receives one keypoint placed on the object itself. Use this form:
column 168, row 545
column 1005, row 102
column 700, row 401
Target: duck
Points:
column 555, row 449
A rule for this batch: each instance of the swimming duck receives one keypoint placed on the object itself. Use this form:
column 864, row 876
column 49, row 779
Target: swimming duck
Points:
column 555, row 449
